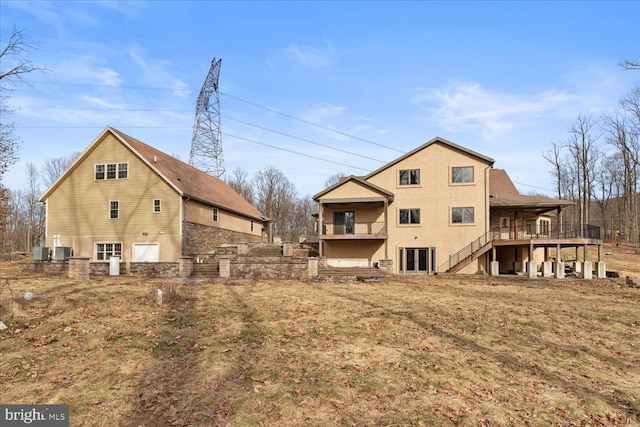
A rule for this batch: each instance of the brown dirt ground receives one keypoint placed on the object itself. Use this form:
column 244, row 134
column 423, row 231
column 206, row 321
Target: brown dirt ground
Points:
column 420, row 351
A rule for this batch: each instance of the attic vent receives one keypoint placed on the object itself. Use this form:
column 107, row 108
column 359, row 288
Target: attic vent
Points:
column 155, row 159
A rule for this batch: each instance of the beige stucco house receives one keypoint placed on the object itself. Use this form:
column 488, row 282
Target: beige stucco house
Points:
column 439, row 208
column 124, row 198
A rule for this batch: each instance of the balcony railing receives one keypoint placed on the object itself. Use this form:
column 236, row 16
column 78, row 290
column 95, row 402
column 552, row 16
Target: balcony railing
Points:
column 546, row 231
column 526, row 232
column 358, row 228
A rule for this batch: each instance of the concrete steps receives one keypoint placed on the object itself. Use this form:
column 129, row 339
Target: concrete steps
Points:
column 206, row 269
column 360, row 272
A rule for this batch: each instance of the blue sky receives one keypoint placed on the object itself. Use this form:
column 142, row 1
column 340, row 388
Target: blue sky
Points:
column 505, row 79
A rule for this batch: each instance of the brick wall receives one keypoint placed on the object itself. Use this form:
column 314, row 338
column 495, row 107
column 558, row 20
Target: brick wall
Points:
column 201, row 239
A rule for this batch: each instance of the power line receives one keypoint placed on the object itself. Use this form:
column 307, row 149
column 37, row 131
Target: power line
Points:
column 273, row 110
column 293, row 152
column 177, row 127
column 302, row 139
column 533, row 186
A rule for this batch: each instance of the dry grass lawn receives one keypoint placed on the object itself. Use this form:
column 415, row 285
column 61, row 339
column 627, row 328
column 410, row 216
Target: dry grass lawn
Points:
column 464, row 351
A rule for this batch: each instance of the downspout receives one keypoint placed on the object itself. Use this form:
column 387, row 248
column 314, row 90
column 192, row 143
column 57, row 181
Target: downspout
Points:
column 183, row 232
column 386, row 228
column 487, row 211
column 320, row 228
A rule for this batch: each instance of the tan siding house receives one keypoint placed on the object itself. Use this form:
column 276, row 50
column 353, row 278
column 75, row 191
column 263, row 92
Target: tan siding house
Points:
column 441, row 208
column 415, row 210
column 124, row 198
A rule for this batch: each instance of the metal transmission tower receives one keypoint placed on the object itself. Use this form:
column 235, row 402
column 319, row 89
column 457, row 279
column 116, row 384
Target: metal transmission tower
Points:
column 206, row 144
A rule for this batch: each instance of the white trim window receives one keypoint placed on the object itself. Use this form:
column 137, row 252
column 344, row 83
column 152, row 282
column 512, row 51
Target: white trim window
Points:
column 462, row 175
column 156, row 205
column 105, row 250
column 215, row 216
column 462, row 215
column 114, row 209
column 109, row 171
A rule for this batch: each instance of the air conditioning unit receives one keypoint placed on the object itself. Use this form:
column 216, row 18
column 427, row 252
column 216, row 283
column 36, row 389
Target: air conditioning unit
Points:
column 40, row 253
column 62, row 253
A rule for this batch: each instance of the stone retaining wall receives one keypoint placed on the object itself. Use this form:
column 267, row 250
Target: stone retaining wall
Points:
column 202, row 239
column 51, row 268
column 245, row 267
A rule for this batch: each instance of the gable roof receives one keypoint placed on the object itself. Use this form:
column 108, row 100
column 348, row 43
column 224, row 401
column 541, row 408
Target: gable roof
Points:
column 185, row 179
column 504, row 194
column 352, row 178
column 435, row 140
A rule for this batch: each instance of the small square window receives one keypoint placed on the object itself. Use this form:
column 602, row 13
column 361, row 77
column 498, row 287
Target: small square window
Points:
column 462, row 215
column 460, row 175
column 156, row 205
column 410, row 177
column 409, row 216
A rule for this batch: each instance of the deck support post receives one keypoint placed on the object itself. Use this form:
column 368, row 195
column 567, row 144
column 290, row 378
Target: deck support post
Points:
column 559, row 270
column 601, row 269
column 546, row 269
column 587, row 270
column 532, row 268
column 494, row 268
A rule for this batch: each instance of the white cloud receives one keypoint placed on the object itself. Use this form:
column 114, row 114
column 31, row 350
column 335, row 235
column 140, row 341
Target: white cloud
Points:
column 84, row 70
column 467, row 106
column 156, row 73
column 310, row 56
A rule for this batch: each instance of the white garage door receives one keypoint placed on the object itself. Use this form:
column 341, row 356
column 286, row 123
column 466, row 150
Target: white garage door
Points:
column 146, row 252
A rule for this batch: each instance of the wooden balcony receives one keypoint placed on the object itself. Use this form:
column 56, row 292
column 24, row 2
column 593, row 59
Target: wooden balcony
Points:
column 355, row 231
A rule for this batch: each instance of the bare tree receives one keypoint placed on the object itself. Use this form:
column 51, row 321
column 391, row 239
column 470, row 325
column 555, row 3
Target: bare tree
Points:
column 240, row 184
column 275, row 196
column 53, row 168
column 15, row 55
column 33, row 209
column 302, row 219
column 630, row 64
column 585, row 154
column 334, row 179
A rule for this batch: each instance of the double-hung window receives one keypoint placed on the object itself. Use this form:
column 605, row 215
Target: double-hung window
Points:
column 409, row 177
column 409, row 216
column 215, row 215
column 156, row 205
column 114, row 209
column 462, row 215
